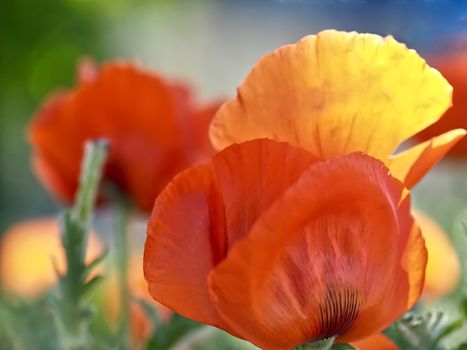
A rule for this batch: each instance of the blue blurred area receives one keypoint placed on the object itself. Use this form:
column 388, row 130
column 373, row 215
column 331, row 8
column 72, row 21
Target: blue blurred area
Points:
column 421, row 24
column 211, row 43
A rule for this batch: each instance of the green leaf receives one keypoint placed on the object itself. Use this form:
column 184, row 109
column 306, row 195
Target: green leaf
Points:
column 71, row 311
column 325, row 344
column 93, row 264
column 168, row 334
column 151, row 312
column 422, row 331
column 343, row 347
column 210, row 338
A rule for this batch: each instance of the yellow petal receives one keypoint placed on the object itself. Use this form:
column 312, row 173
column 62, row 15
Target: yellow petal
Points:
column 335, row 93
column 411, row 165
column 443, row 268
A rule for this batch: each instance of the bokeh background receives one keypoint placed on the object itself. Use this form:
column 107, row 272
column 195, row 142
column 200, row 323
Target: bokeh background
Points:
column 210, row 44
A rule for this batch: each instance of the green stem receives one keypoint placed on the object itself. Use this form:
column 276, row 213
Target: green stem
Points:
column 324, row 344
column 95, row 154
column 73, row 322
column 121, row 250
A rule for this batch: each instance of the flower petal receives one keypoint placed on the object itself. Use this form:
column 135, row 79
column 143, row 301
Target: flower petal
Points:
column 252, row 175
column 335, row 93
column 205, row 210
column 321, row 257
column 182, row 245
column 411, row 165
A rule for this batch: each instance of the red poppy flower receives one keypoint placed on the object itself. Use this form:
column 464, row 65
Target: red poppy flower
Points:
column 279, row 248
column 154, row 129
column 454, row 68
column 335, row 93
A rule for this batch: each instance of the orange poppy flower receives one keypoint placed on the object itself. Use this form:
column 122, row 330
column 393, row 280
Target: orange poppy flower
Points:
column 335, row 93
column 153, row 127
column 443, row 269
column 27, row 251
column 453, row 66
column 279, row 248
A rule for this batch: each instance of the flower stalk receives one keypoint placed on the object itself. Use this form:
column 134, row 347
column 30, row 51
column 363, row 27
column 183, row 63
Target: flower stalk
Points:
column 121, row 255
column 73, row 315
column 324, row 344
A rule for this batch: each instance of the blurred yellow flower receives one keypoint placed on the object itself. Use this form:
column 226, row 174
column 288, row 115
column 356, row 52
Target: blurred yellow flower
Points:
column 443, row 267
column 28, row 251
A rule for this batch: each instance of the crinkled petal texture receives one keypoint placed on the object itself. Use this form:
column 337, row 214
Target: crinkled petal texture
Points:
column 152, row 127
column 453, row 66
column 280, row 248
column 336, row 93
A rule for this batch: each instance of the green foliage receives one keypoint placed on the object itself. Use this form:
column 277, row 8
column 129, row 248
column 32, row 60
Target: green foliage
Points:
column 325, row 344
column 343, row 347
column 423, row 331
column 26, row 324
column 210, row 338
column 73, row 314
column 167, row 334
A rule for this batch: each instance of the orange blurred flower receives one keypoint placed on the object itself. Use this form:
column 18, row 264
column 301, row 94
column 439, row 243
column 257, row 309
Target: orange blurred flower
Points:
column 153, row 127
column 279, row 248
column 335, row 93
column 443, row 268
column 453, row 66
column 26, row 269
column 27, row 250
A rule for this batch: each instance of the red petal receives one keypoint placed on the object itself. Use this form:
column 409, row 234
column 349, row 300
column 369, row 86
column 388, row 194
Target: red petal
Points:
column 179, row 250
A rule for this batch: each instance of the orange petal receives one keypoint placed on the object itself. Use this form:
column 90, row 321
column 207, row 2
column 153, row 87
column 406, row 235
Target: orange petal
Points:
column 453, row 66
column 322, row 259
column 411, row 165
column 181, row 246
column 27, row 252
column 335, row 93
column 251, row 176
column 375, row 342
column 204, row 211
column 443, row 268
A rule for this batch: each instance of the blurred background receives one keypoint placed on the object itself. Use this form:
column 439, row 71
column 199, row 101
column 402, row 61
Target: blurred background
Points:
column 210, row 44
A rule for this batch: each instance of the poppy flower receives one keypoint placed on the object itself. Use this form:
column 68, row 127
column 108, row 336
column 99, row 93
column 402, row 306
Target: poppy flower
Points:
column 153, row 126
column 28, row 252
column 279, row 248
column 335, row 93
column 453, row 66
column 443, row 269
